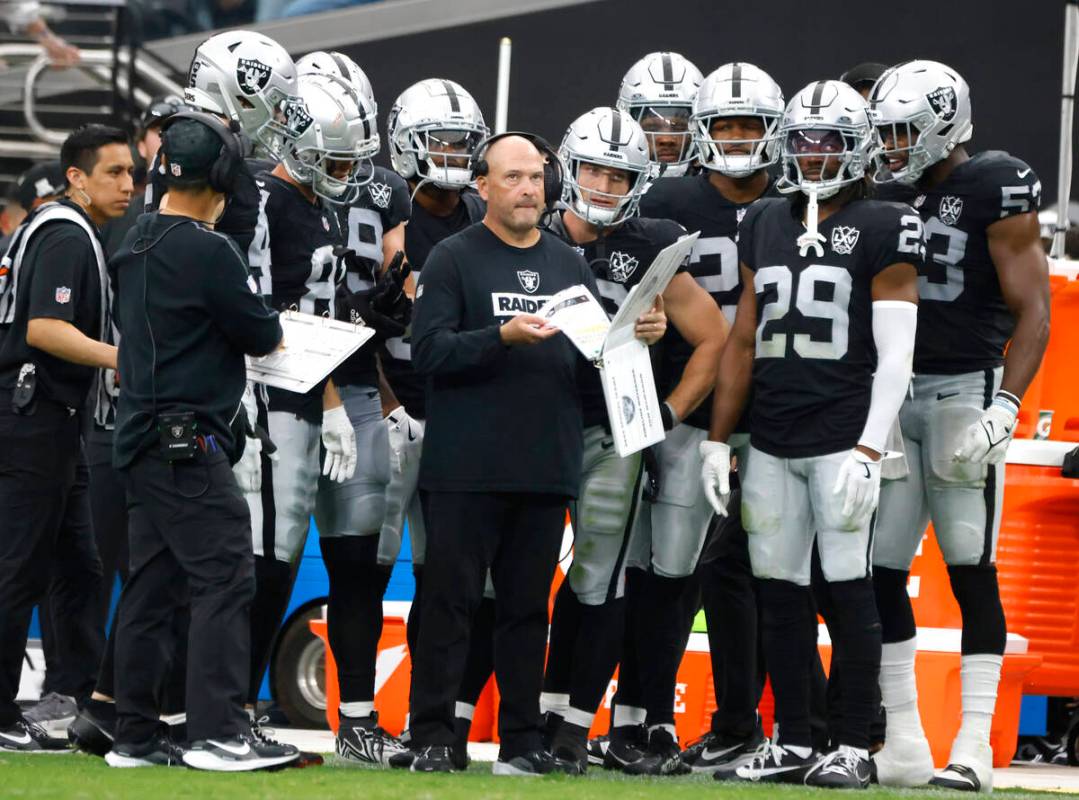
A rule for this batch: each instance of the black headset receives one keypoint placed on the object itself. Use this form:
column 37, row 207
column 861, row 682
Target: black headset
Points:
column 553, row 169
column 226, row 167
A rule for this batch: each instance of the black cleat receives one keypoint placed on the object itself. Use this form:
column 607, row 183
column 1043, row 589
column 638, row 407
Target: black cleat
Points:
column 161, row 752
column 663, row 756
column 531, row 764
column 91, row 733
column 716, row 752
column 436, row 758
column 361, row 740
column 264, row 735
column 772, row 763
column 625, row 746
column 570, row 748
column 843, row 768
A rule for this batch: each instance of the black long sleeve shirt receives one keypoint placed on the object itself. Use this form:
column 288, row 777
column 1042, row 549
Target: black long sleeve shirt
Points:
column 499, row 419
column 187, row 313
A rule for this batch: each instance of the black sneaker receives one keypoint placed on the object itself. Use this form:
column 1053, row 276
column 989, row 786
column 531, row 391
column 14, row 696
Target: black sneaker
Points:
column 436, row 758
column 402, row 760
column 597, row 749
column 92, row 733
column 843, row 768
column 717, row 752
column 530, row 765
column 360, row 740
column 161, row 752
column 626, row 746
column 263, row 735
column 570, row 748
column 663, row 756
column 772, row 763
column 238, row 754
column 26, row 737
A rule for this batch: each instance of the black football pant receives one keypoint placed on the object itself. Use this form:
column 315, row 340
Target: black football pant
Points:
column 45, row 536
column 190, row 538
column 517, row 536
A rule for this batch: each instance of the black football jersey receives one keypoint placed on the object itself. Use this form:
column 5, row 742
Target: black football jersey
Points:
column 963, row 321
column 815, row 356
column 292, row 261
column 381, row 206
column 618, row 260
column 695, row 204
column 422, row 233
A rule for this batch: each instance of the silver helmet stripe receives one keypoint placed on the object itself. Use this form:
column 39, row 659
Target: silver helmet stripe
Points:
column 736, row 81
column 668, row 73
column 616, row 130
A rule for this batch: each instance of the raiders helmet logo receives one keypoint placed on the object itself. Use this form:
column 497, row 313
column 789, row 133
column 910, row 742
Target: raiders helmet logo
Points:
column 844, row 238
column 529, row 280
column 252, row 75
column 297, row 119
column 943, row 102
column 622, row 266
column 380, row 194
column 950, row 209
column 629, row 409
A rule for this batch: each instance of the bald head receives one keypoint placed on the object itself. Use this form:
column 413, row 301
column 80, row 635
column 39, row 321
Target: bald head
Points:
column 513, row 185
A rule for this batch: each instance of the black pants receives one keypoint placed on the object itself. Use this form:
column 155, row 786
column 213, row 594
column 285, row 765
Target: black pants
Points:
column 190, row 537
column 109, row 515
column 45, row 535
column 517, row 536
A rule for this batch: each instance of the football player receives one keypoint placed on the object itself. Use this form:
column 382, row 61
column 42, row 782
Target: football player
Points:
column 658, row 92
column 350, row 514
column 608, row 170
column 823, row 337
column 735, row 121
column 295, row 252
column 984, row 283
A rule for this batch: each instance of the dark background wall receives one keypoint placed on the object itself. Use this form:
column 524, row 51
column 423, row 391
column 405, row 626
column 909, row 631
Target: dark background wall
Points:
column 569, row 60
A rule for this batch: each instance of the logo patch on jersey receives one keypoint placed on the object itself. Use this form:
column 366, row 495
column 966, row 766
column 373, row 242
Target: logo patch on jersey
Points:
column 63, row 295
column 740, row 214
column 918, row 201
column 380, row 194
column 252, row 75
column 326, row 225
column 943, row 102
column 950, row 209
column 297, row 120
column 844, row 237
column 578, row 250
column 622, row 266
column 629, row 409
column 529, row 279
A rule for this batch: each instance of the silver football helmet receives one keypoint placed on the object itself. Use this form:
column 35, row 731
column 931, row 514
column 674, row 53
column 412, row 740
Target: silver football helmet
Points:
column 923, row 106
column 737, row 90
column 339, row 65
column 335, row 129
column 247, row 77
column 826, row 136
column 433, row 128
column 605, row 137
column 658, row 92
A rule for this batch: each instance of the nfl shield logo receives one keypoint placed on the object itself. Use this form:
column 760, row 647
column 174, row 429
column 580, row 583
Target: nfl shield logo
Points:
column 529, row 280
column 844, row 238
column 380, row 194
column 622, row 266
column 63, row 295
column 943, row 102
column 950, row 209
column 739, row 214
column 252, row 75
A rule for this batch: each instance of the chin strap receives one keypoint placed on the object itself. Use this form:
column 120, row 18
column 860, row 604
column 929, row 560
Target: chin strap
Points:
column 812, row 238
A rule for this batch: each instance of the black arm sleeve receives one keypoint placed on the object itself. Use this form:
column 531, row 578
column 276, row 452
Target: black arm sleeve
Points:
column 234, row 306
column 439, row 347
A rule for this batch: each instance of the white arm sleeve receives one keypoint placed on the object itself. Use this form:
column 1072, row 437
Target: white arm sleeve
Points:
column 18, row 14
column 894, row 325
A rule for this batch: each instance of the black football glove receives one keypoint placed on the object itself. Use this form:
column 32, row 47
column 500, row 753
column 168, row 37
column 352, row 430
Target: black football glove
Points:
column 385, row 307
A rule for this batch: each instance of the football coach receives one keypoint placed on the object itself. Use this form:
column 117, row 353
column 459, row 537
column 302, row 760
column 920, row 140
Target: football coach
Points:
column 502, row 451
column 187, row 315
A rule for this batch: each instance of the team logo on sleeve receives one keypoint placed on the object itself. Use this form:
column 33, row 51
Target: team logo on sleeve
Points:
column 942, row 101
column 380, row 194
column 252, row 75
column 844, row 237
column 529, row 279
column 950, row 209
column 622, row 266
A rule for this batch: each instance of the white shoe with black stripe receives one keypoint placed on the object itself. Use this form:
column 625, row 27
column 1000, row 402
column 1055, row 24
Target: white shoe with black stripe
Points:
column 26, row 737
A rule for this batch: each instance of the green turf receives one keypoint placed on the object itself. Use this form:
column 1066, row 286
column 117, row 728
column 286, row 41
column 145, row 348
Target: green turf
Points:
column 74, row 777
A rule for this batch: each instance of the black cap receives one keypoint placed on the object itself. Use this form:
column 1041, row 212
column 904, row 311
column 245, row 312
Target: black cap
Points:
column 41, row 180
column 161, row 108
column 863, row 75
column 190, row 149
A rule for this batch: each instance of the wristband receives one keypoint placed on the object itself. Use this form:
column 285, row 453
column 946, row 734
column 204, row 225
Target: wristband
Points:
column 1008, row 401
column 666, row 413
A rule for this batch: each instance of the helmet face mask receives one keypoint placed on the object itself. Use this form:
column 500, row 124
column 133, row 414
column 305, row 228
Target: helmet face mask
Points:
column 670, row 142
column 433, row 128
column 737, row 157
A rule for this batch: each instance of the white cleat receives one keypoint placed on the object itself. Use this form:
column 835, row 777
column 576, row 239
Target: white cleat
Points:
column 904, row 761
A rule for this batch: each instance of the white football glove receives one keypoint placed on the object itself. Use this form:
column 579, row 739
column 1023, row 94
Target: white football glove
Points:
column 858, row 482
column 248, row 470
column 716, row 474
column 986, row 441
column 397, row 424
column 339, row 439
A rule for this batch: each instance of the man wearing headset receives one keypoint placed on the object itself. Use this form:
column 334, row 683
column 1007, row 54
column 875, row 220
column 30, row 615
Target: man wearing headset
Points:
column 477, row 339
column 188, row 314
